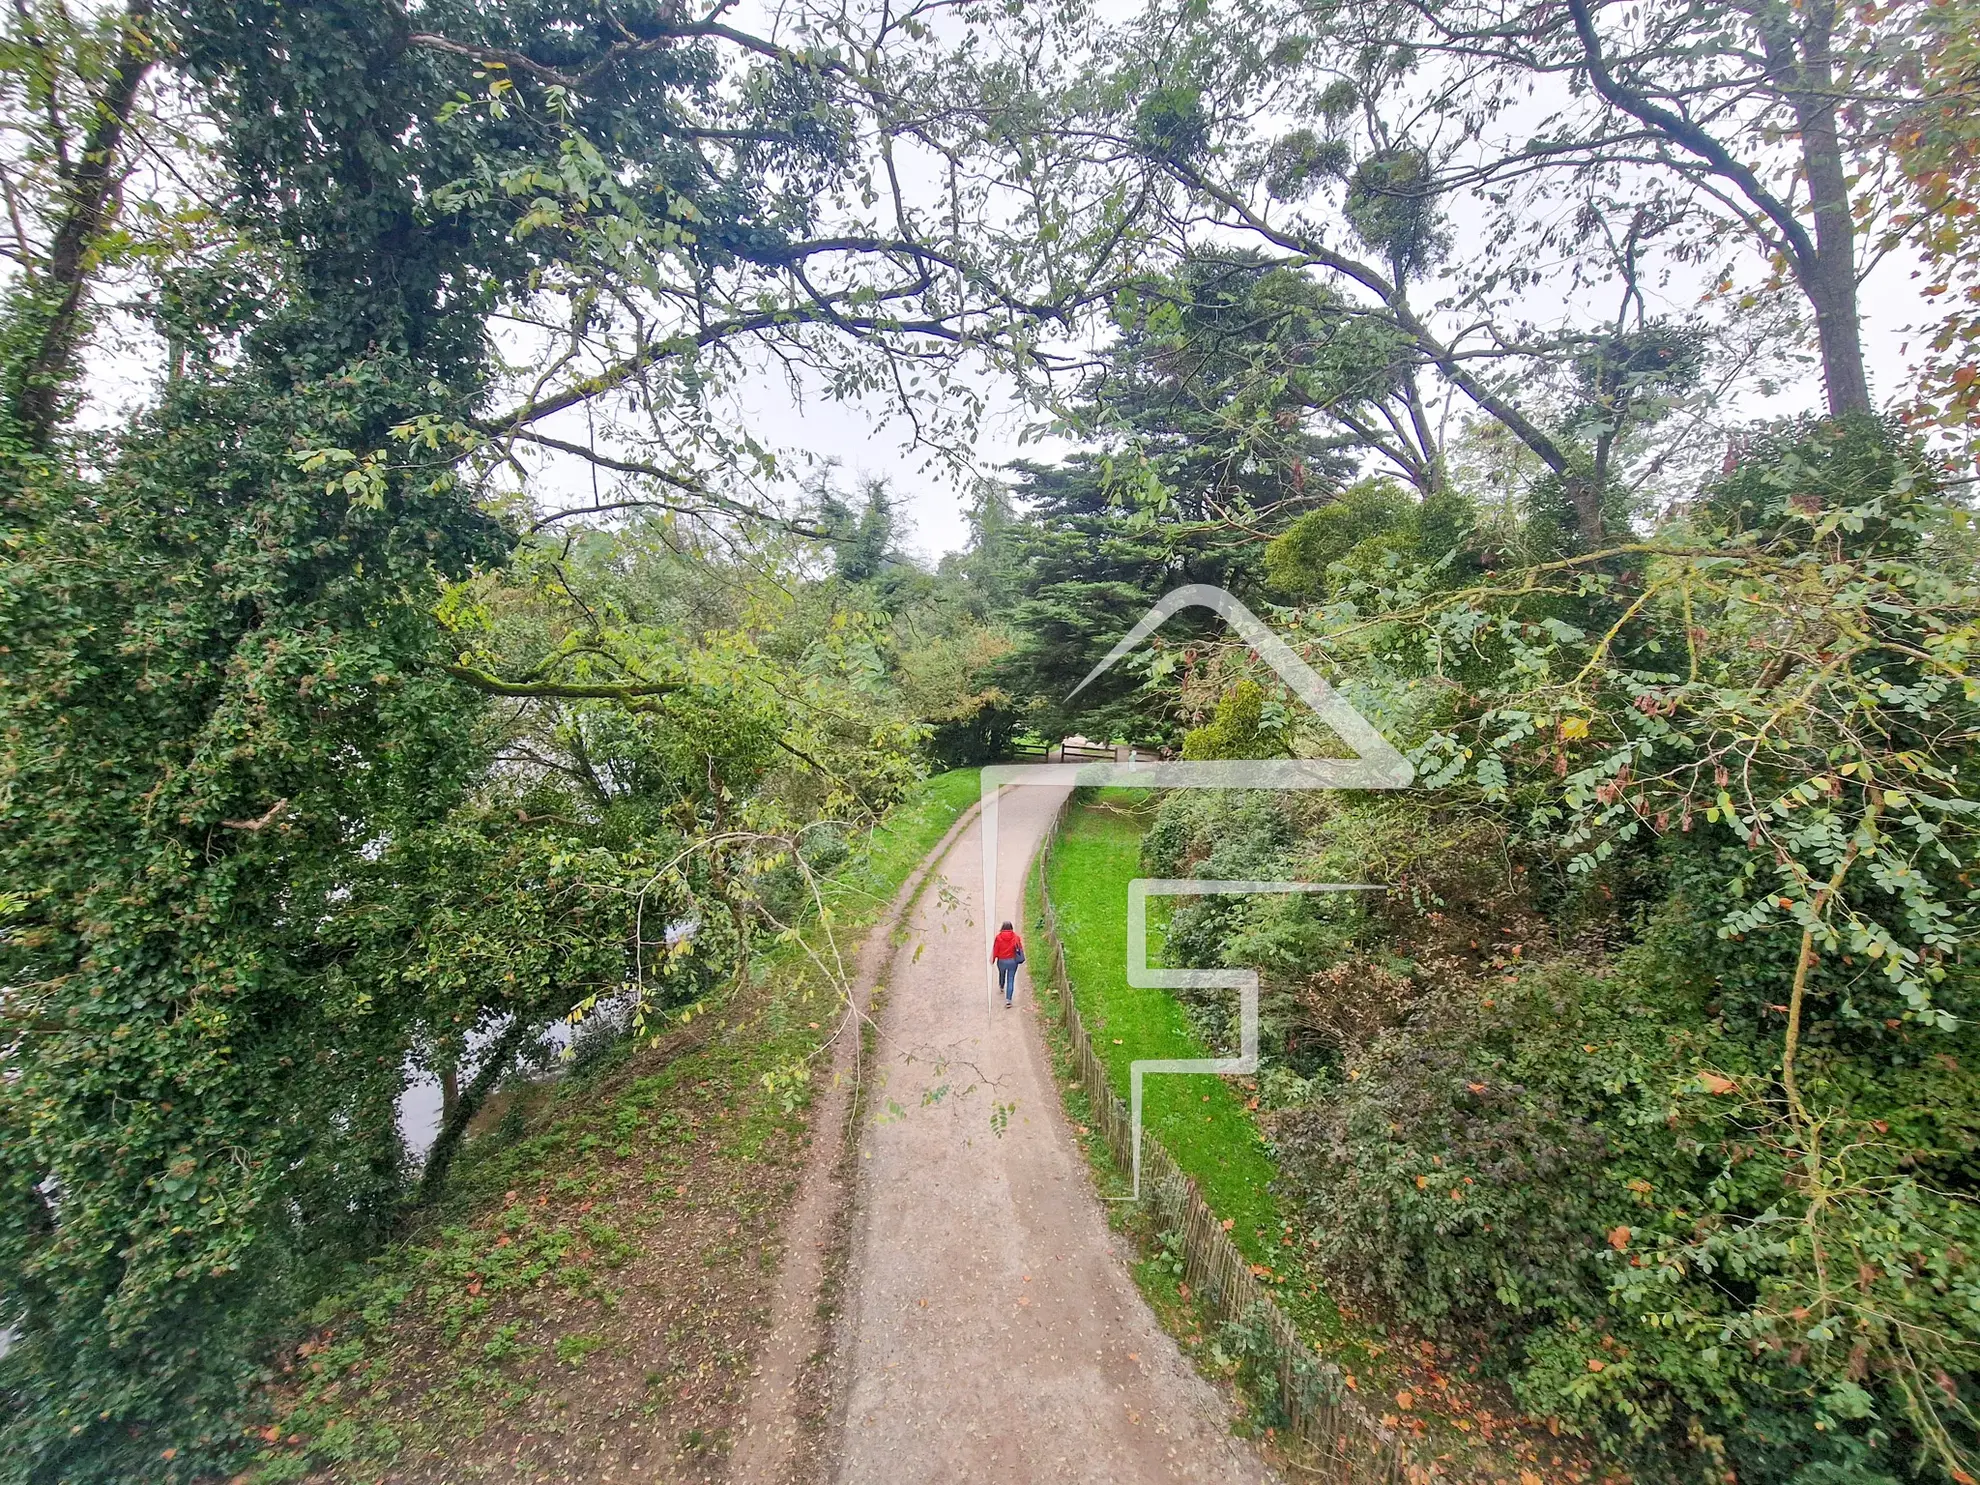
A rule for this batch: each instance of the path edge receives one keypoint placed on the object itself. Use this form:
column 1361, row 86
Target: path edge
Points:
column 783, row 1441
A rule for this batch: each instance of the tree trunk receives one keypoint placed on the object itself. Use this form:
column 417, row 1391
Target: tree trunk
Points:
column 1804, row 69
column 44, row 375
column 1584, row 497
column 466, row 1105
column 1831, row 283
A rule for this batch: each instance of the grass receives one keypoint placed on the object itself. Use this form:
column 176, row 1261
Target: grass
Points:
column 1200, row 1118
column 598, row 1275
column 896, row 847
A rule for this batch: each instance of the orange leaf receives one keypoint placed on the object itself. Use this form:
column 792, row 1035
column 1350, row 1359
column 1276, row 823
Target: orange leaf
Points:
column 1619, row 1238
column 1713, row 1083
column 1405, row 1400
column 1596, row 1366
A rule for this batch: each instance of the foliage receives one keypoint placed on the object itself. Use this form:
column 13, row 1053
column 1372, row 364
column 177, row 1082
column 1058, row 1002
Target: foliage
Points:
column 1736, row 1156
column 1936, row 147
column 311, row 781
column 1237, row 731
column 1204, row 398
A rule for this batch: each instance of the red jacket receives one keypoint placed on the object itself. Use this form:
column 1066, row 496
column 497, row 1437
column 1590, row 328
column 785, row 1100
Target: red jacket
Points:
column 1007, row 945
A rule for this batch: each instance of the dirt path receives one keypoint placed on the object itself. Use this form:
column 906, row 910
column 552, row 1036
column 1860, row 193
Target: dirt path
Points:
column 790, row 1389
column 990, row 1329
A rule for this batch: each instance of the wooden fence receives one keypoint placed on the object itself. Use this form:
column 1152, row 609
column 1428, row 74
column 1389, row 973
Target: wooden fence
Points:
column 1348, row 1445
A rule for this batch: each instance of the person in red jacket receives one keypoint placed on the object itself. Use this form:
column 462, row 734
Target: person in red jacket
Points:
column 1008, row 952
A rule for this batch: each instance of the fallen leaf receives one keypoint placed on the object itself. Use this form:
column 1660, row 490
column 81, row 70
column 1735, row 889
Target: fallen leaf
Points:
column 1596, row 1366
column 1134, row 1356
column 1024, row 1299
column 1405, row 1399
column 1227, row 1224
column 1476, row 1087
column 1713, row 1083
column 1619, row 1238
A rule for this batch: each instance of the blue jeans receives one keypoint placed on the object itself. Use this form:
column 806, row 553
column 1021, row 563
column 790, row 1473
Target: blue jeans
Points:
column 1007, row 976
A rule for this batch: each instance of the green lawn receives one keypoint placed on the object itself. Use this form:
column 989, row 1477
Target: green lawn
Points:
column 1201, row 1119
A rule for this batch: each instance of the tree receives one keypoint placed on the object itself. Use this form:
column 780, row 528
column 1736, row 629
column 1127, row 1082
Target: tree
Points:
column 252, row 820
column 1625, row 145
column 1200, row 410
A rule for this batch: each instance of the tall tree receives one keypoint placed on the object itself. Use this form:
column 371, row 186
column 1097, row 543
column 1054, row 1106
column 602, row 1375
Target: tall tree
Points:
column 398, row 251
column 1609, row 149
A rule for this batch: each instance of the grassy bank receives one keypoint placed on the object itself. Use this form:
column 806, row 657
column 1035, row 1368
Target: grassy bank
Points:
column 585, row 1302
column 1201, row 1119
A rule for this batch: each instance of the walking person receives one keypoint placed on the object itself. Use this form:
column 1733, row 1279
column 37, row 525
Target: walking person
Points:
column 1007, row 950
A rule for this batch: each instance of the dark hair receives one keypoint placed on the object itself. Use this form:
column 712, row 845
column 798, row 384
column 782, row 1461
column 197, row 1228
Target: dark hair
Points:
column 1007, row 922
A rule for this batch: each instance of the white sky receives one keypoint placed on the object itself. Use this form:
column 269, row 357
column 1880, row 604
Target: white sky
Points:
column 867, row 438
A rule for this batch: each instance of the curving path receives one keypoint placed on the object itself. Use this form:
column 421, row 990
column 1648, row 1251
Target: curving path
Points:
column 991, row 1331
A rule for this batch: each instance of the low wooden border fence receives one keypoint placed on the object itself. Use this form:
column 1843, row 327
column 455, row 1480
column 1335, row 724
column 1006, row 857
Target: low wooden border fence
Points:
column 1349, row 1445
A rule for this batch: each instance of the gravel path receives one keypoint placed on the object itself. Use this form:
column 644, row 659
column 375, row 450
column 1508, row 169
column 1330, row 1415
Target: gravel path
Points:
column 991, row 1331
